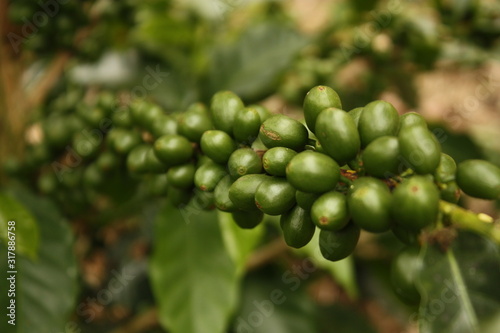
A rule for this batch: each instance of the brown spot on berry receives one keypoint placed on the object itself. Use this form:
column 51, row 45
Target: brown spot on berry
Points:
column 414, row 189
column 323, row 220
column 270, row 134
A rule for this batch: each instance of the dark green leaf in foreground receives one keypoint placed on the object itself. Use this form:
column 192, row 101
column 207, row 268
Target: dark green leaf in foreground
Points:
column 46, row 287
column 460, row 287
column 24, row 228
column 276, row 302
column 193, row 277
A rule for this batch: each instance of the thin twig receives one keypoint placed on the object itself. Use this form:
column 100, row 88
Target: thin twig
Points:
column 465, row 219
column 266, row 254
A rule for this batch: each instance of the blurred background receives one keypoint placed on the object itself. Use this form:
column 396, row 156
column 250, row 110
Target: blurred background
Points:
column 440, row 58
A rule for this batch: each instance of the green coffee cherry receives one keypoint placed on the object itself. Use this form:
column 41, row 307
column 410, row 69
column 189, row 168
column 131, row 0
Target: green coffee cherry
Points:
column 479, row 179
column 355, row 114
column 298, row 229
column 449, row 191
column 415, row 203
column 446, row 169
column 198, row 108
column 316, row 100
column 145, row 113
column 263, row 112
column 244, row 161
column 73, row 178
column 419, row 148
column 337, row 245
column 381, row 158
column 406, row 236
column 107, row 100
column 182, row 176
column 313, row 172
column 92, row 176
column 178, row 197
column 329, row 211
column 158, row 184
column 224, row 106
column 122, row 118
column 123, row 141
column 47, row 183
column 163, row 125
column 275, row 196
column 150, row 116
column 242, row 191
column 338, row 134
column 202, row 159
column 173, row 149
column 410, row 119
column 195, row 122
column 136, row 159
column 84, row 146
column 306, row 200
column 92, row 116
column 56, row 131
column 246, row 219
column 217, row 145
column 246, row 125
column 137, row 107
column 108, row 161
column 276, row 159
column 369, row 201
column 258, row 145
column 203, row 200
column 405, row 269
column 221, row 195
column 153, row 164
column 379, row 118
column 208, row 175
column 283, row 131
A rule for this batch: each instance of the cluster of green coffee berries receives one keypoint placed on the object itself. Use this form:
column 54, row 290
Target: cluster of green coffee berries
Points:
column 341, row 172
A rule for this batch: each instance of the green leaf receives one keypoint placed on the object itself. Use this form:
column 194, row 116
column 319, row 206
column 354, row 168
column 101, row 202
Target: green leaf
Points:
column 459, row 287
column 25, row 230
column 45, row 288
column 251, row 65
column 276, row 302
column 342, row 271
column 239, row 242
column 193, row 277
